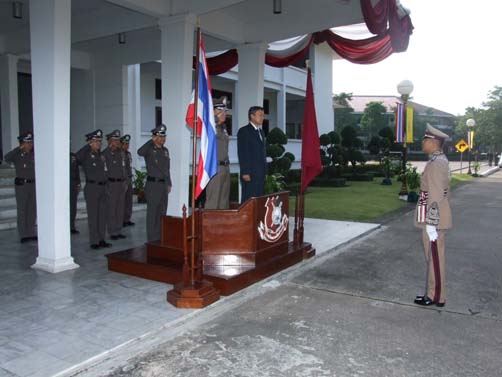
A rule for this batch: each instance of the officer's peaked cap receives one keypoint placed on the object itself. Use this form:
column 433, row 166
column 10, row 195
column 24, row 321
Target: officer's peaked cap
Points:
column 26, row 136
column 434, row 133
column 220, row 103
column 94, row 135
column 115, row 134
column 125, row 138
column 160, row 130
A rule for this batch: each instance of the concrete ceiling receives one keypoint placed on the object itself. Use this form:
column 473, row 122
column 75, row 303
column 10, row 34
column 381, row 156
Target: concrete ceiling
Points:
column 227, row 23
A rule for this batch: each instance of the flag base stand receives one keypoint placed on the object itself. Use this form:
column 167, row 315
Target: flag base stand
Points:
column 196, row 296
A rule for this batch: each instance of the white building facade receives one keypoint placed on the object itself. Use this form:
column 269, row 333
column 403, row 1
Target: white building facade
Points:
column 82, row 78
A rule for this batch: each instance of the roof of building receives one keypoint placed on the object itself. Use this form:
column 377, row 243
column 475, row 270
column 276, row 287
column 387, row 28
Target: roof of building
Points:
column 358, row 103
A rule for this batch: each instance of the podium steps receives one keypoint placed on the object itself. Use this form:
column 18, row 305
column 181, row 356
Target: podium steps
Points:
column 8, row 210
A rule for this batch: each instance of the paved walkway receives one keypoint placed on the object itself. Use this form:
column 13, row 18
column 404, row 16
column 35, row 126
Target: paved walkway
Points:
column 57, row 324
column 352, row 313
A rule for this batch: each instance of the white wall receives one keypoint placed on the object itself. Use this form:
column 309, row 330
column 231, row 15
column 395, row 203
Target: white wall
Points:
column 81, row 107
column 149, row 72
column 108, row 98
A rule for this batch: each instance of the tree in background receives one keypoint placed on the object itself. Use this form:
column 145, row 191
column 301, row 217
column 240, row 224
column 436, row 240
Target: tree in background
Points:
column 343, row 112
column 488, row 129
column 374, row 118
column 330, row 149
column 351, row 146
column 281, row 162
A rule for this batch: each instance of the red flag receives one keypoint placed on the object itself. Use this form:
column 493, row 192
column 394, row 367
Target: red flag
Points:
column 311, row 156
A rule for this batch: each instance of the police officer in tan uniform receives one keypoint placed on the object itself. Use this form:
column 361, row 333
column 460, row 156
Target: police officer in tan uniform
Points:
column 433, row 216
column 158, row 182
column 116, row 185
column 218, row 188
column 23, row 159
column 94, row 165
column 129, row 193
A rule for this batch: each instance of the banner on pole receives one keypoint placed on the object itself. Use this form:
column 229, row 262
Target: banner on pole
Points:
column 409, row 124
column 399, row 123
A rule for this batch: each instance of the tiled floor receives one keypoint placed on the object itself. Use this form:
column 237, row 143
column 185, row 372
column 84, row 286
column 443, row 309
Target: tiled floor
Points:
column 51, row 322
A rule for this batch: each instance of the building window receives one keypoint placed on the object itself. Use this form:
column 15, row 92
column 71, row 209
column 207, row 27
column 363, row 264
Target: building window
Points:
column 266, row 106
column 158, row 89
column 158, row 116
column 294, row 130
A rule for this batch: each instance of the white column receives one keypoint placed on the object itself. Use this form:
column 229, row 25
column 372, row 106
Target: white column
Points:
column 321, row 59
column 281, row 104
column 249, row 88
column 50, row 26
column 177, row 43
column 9, row 102
column 132, row 108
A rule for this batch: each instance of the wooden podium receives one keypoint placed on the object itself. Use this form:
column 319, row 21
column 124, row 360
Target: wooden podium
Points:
column 238, row 246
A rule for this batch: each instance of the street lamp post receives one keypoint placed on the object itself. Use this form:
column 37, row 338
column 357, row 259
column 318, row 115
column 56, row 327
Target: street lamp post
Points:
column 470, row 126
column 404, row 88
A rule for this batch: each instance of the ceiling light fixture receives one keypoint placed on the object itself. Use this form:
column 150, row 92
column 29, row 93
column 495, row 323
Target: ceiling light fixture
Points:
column 17, row 9
column 277, row 6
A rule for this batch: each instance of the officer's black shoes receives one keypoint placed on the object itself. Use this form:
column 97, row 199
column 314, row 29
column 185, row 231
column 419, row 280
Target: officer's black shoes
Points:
column 74, row 231
column 426, row 301
column 128, row 223
column 95, row 246
column 117, row 236
column 103, row 243
column 121, row 236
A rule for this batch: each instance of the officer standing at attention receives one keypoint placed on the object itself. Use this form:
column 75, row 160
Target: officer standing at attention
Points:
column 116, row 186
column 94, row 165
column 74, row 190
column 128, row 168
column 158, row 182
column 23, row 159
column 433, row 215
column 218, row 188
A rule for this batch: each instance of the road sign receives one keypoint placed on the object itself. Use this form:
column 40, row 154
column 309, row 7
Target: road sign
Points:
column 462, row 146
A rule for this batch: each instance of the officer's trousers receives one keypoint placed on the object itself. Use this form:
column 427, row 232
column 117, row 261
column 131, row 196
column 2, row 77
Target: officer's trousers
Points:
column 128, row 202
column 156, row 206
column 115, row 196
column 218, row 190
column 26, row 210
column 73, row 204
column 435, row 261
column 95, row 200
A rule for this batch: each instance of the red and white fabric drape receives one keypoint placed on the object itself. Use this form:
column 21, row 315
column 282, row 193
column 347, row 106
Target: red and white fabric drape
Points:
column 392, row 28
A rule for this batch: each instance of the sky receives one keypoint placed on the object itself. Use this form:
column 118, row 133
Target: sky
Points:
column 454, row 57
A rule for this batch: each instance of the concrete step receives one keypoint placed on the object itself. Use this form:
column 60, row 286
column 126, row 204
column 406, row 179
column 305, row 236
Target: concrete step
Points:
column 8, row 214
column 7, row 190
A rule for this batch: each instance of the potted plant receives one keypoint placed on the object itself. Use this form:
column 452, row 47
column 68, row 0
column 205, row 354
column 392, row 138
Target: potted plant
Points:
column 385, row 164
column 138, row 185
column 413, row 182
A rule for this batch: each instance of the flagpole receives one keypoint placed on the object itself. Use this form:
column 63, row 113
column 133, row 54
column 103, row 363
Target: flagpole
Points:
column 194, row 155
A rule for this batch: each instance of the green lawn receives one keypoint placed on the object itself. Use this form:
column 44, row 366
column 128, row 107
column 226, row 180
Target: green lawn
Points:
column 359, row 201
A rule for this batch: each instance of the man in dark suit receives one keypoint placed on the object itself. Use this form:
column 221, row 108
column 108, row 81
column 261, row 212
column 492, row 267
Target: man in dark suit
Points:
column 251, row 148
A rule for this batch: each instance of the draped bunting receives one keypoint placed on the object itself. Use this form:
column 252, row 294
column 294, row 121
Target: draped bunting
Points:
column 392, row 35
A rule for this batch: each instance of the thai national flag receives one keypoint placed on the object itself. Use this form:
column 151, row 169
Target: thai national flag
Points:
column 399, row 123
column 206, row 128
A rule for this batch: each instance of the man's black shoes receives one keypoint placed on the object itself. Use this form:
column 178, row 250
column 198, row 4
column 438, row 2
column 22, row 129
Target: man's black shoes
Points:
column 128, row 223
column 74, row 231
column 95, row 246
column 426, row 301
column 103, row 243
